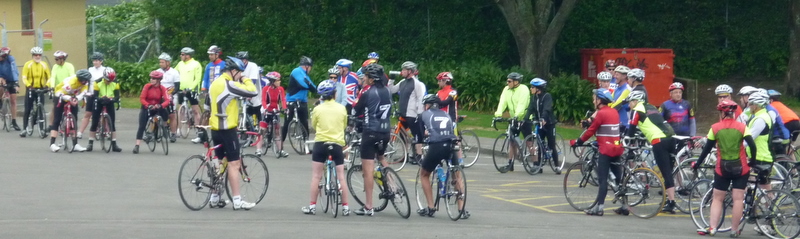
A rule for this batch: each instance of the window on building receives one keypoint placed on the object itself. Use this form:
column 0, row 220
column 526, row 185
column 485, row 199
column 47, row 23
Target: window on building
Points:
column 27, row 14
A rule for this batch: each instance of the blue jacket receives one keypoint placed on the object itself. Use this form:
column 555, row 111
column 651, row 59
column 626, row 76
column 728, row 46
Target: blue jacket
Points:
column 299, row 85
column 623, row 108
column 781, row 130
column 8, row 69
column 212, row 72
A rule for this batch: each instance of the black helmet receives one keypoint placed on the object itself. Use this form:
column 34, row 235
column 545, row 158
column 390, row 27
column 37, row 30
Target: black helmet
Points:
column 97, row 56
column 234, row 63
column 515, row 76
column 430, row 99
column 373, row 71
column 305, row 61
column 83, row 75
column 242, row 55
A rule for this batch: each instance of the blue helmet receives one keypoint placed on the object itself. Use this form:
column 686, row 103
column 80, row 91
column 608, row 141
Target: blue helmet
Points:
column 234, row 63
column 538, row 83
column 603, row 94
column 344, row 63
column 326, row 88
column 373, row 55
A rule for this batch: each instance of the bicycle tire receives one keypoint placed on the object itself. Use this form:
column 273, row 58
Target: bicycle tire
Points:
column 580, row 194
column 499, row 155
column 396, row 152
column 780, row 178
column 776, row 212
column 195, row 182
column 100, row 133
column 646, row 189
column 451, row 205
column 333, row 193
column 398, row 191
column 470, row 144
column 296, row 138
column 529, row 153
column 153, row 135
column 323, row 194
column 590, row 156
column 355, row 182
column 422, row 201
column 682, row 176
column 6, row 111
column 71, row 125
column 42, row 123
column 31, row 120
column 562, row 157
column 165, row 139
column 252, row 185
column 183, row 121
column 697, row 204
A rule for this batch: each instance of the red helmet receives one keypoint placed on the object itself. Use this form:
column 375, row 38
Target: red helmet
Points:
column 727, row 106
column 273, row 75
column 156, row 75
column 445, row 76
column 611, row 63
column 368, row 61
column 110, row 74
column 676, row 85
column 5, row 51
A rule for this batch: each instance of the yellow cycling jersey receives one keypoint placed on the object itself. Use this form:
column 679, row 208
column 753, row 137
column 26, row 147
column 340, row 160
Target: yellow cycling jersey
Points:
column 330, row 120
column 72, row 87
column 223, row 93
column 106, row 89
column 35, row 74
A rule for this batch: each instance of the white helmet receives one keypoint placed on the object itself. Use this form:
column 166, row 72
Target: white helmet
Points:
column 636, row 74
column 762, row 90
column 58, row 54
column 165, row 56
column 747, row 90
column 723, row 89
column 622, row 69
column 604, row 76
column 187, row 50
column 758, row 98
column 37, row 50
column 636, row 95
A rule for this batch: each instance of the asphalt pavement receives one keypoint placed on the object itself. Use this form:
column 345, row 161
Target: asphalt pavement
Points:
column 122, row 195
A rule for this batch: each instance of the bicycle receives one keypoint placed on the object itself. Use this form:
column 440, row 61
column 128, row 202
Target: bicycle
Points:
column 267, row 137
column 330, row 187
column 506, row 141
column 641, row 184
column 446, row 181
column 388, row 187
column 779, row 208
column 37, row 115
column 204, row 175
column 298, row 135
column 401, row 136
column 247, row 124
column 186, row 116
column 156, row 130
column 5, row 111
column 540, row 146
column 67, row 128
column 104, row 128
column 469, row 144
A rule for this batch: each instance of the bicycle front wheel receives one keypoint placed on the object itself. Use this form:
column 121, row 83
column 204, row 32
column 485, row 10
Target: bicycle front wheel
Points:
column 32, row 120
column 643, row 197
column 699, row 205
column 297, row 137
column 685, row 187
column 194, row 182
column 355, row 183
column 165, row 139
column 397, row 192
column 396, row 153
column 41, row 123
column 560, row 155
column 100, row 133
column 500, row 153
column 578, row 190
column 456, row 198
column 422, row 201
column 6, row 113
column 183, row 121
column 470, row 147
column 531, row 158
column 778, row 210
column 152, row 135
column 254, row 178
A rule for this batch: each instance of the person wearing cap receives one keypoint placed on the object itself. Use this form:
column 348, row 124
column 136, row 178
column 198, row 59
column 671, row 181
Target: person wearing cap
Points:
column 97, row 70
column 515, row 98
column 790, row 119
column 679, row 113
column 300, row 84
column 724, row 92
column 620, row 95
column 191, row 73
column 171, row 81
column 252, row 71
column 350, row 81
column 35, row 73
column 411, row 90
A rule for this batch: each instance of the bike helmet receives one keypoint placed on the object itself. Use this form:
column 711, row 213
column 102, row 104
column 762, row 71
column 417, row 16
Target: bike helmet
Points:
column 374, row 71
column 747, row 90
column 515, row 76
column 603, row 94
column 165, row 56
column 234, row 63
column 622, row 69
column 306, row 61
column 758, row 98
column 333, row 71
column 214, row 49
column 98, row 56
column 274, row 75
column 156, row 75
column 187, row 51
column 110, row 74
column 373, row 55
column 37, row 50
column 604, row 76
column 430, row 99
column 723, row 89
column 447, row 76
column 763, row 91
column 5, row 51
column 727, row 106
column 676, row 85
column 243, row 55
column 611, row 63
column 83, row 75
column 408, row 65
column 774, row 94
column 636, row 74
column 368, row 61
column 538, row 83
column 344, row 63
column 636, row 95
column 326, row 88
column 60, row 54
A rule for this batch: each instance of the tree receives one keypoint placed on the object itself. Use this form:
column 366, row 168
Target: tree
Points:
column 793, row 72
column 536, row 26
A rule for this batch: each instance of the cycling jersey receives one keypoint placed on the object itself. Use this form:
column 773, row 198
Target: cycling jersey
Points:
column 8, row 69
column 71, row 87
column 251, row 71
column 171, row 79
column 107, row 89
column 785, row 113
column 191, row 74
column 759, row 127
column 350, row 81
column 541, row 107
column 35, row 74
column 329, row 119
column 375, row 104
column 97, row 75
column 605, row 127
column 223, row 93
column 439, row 125
column 515, row 100
column 299, row 85
column 154, row 95
column 213, row 71
column 620, row 104
column 679, row 115
column 448, row 101
column 59, row 73
column 650, row 122
column 270, row 96
column 729, row 135
column 411, row 91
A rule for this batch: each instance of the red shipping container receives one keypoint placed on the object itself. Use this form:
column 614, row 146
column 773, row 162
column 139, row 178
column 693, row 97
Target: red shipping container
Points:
column 656, row 63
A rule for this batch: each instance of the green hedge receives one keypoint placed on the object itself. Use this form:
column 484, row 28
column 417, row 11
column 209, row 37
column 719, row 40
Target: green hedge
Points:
column 132, row 76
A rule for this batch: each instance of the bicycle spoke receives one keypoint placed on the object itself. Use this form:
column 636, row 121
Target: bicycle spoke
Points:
column 194, row 181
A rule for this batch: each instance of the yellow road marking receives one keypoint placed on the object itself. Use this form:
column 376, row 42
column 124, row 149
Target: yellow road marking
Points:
column 518, row 184
column 546, row 209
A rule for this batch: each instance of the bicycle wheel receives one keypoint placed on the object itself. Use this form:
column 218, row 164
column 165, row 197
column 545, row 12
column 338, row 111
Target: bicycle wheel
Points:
column 151, row 136
column 470, row 147
column 71, row 136
column 778, row 210
column 165, row 139
column 254, row 178
column 561, row 156
column 422, row 201
column 685, row 186
column 455, row 194
column 531, row 156
column 780, row 179
column 397, row 190
column 41, row 123
column 580, row 194
column 643, row 185
column 100, row 133
column 297, row 137
column 6, row 113
column 183, row 121
column 355, row 183
column 333, row 194
column 500, row 153
column 32, row 120
column 699, row 206
column 396, row 153
column 63, row 133
column 194, row 182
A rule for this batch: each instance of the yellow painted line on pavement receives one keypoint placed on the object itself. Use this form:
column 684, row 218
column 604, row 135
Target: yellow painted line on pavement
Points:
column 547, row 209
column 527, row 199
column 529, row 205
column 518, row 184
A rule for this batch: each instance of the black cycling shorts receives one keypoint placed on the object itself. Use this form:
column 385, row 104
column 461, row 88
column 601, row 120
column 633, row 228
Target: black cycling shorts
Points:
column 722, row 182
column 321, row 151
column 191, row 97
column 89, row 104
column 11, row 87
column 373, row 144
column 437, row 152
column 416, row 127
column 230, row 144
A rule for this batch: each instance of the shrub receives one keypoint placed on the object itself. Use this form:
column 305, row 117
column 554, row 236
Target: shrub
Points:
column 572, row 97
column 132, row 76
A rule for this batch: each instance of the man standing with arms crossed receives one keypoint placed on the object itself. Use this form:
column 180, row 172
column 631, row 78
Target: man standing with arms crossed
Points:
column 411, row 91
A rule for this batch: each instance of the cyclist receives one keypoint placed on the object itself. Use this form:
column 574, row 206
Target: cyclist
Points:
column 271, row 96
column 678, row 112
column 107, row 93
column 659, row 133
column 605, row 127
column 212, row 71
column 350, row 81
column 411, row 90
column 610, row 66
column 515, row 98
column 329, row 119
column 375, row 104
column 223, row 91
column 364, row 64
column 760, row 126
column 34, row 74
column 724, row 92
column 253, row 72
column 636, row 78
column 341, row 93
column 155, row 100
column 604, row 80
column 441, row 132
column 9, row 78
column 780, row 135
column 300, row 84
column 61, row 70
column 448, row 97
column 191, row 73
column 97, row 71
column 541, row 106
column 171, row 81
column 620, row 95
column 72, row 90
column 732, row 169
column 790, row 119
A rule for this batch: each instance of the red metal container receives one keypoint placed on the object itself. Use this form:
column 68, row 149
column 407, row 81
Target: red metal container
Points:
column 656, row 63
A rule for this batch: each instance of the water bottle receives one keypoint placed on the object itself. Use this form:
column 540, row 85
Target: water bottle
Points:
column 215, row 161
column 442, row 178
column 378, row 175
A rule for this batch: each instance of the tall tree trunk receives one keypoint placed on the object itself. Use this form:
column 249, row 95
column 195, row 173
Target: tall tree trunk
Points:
column 535, row 29
column 793, row 74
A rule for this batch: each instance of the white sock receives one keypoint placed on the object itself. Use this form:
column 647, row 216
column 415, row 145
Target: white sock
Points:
column 214, row 198
column 237, row 199
column 312, row 206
